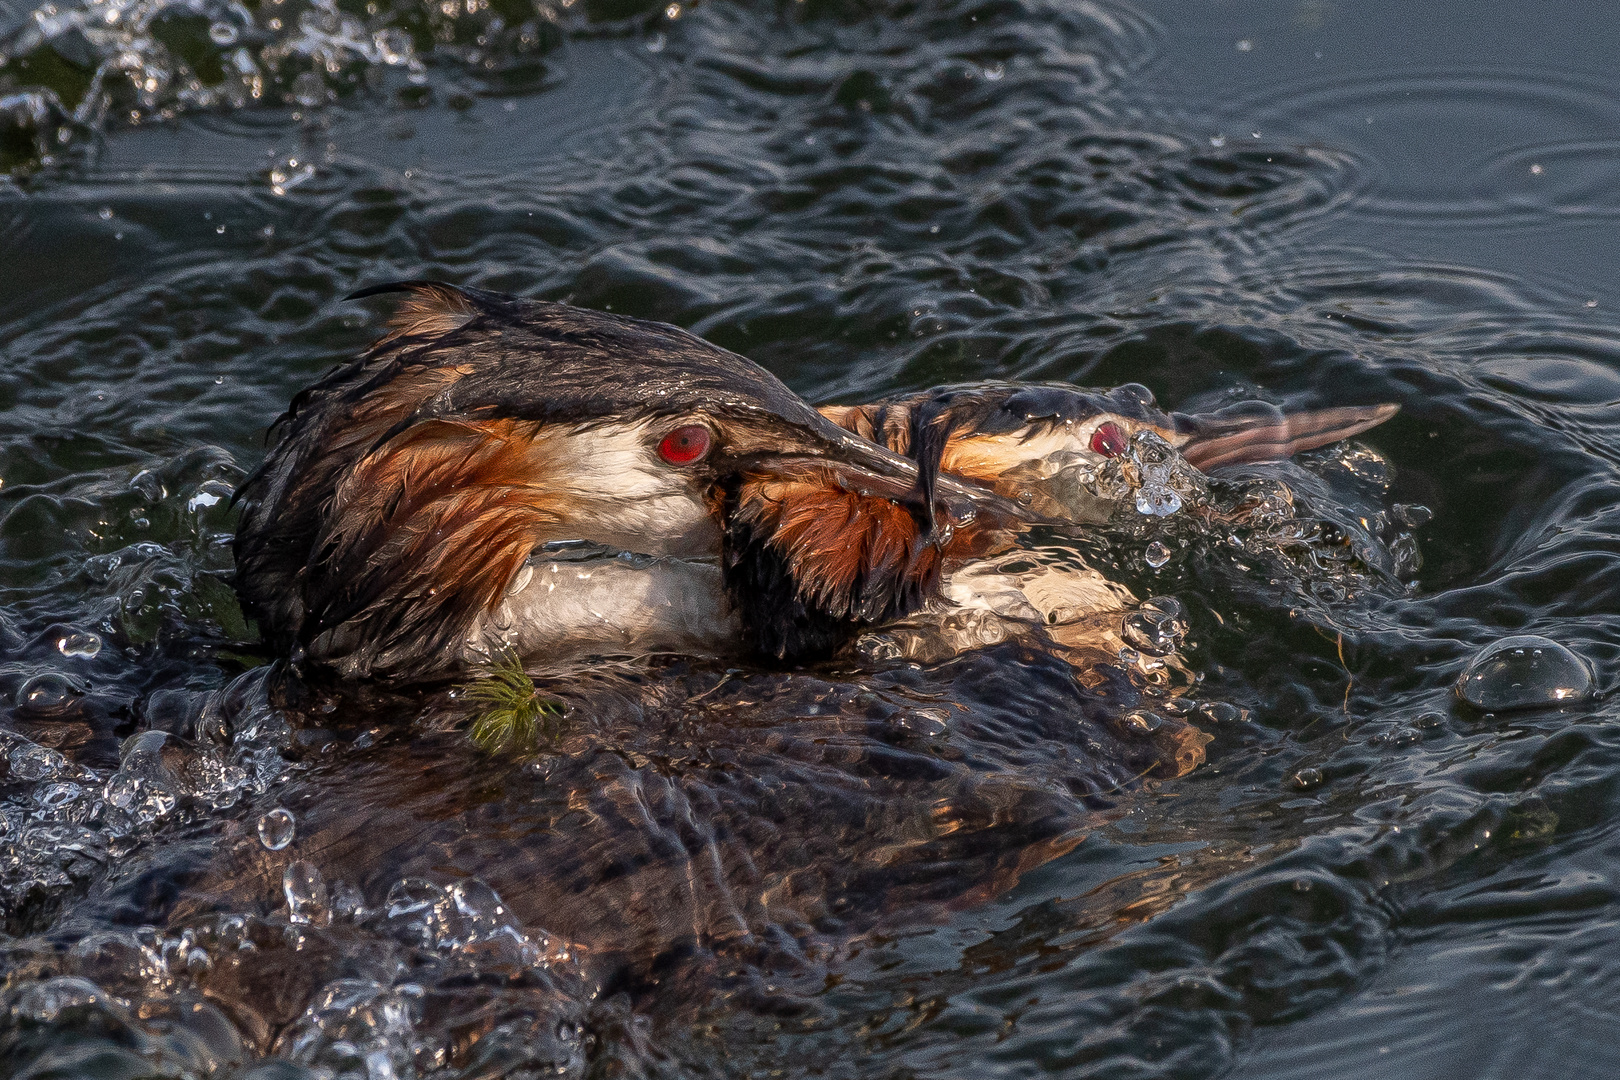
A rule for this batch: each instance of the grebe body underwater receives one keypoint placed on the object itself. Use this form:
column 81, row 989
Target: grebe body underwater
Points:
column 615, row 691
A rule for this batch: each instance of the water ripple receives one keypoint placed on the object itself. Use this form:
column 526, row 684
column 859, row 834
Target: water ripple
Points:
column 1516, row 146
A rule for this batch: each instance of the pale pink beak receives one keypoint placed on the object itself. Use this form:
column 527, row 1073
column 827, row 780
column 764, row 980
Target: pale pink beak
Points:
column 1255, row 431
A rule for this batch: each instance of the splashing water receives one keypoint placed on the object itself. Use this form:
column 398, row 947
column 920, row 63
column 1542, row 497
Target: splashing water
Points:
column 70, row 68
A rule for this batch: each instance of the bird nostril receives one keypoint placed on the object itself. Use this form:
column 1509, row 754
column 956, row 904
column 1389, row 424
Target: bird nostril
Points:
column 685, row 445
column 1108, row 440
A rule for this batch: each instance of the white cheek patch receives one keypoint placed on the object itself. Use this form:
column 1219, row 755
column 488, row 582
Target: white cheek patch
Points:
column 627, row 496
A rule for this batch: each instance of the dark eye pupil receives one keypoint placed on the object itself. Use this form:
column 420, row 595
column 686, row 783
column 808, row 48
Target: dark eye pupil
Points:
column 1108, row 440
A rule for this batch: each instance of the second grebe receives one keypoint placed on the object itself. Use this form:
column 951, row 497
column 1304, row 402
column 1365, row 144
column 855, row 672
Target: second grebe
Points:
column 500, row 474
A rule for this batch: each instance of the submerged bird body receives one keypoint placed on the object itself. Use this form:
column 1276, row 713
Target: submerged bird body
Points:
column 500, row 475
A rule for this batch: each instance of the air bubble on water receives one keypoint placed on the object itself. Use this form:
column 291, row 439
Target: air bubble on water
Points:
column 1142, row 722
column 121, row 790
column 1156, row 554
column 1221, row 712
column 1525, row 671
column 1305, row 779
column 47, row 691
column 79, row 645
column 277, row 828
column 222, row 33
column 1155, row 628
column 306, row 894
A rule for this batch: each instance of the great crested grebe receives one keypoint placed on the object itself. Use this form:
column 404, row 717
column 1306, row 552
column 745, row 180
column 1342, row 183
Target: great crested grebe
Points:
column 499, row 474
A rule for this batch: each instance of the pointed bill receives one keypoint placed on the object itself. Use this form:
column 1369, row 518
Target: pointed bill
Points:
column 1255, row 431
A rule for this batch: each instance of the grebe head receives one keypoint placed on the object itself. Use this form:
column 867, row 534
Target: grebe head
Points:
column 500, row 473
column 1030, row 440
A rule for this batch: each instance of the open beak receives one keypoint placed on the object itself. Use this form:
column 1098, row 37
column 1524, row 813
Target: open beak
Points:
column 1255, row 431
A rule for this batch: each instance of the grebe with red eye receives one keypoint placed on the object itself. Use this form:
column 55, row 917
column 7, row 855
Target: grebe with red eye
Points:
column 504, row 475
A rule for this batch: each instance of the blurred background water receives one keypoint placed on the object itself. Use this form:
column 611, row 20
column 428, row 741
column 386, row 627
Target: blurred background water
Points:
column 1303, row 200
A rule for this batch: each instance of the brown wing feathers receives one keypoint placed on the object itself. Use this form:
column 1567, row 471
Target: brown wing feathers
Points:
column 423, row 535
column 370, row 537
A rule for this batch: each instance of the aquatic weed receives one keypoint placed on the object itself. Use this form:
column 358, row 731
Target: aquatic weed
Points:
column 514, row 715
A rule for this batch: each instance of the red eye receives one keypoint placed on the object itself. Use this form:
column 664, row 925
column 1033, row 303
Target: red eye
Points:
column 1108, row 440
column 685, row 445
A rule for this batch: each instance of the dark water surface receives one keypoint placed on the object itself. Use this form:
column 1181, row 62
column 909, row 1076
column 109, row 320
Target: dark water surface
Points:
column 909, row 873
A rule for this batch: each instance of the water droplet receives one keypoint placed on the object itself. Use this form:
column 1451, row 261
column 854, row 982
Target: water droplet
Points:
column 393, row 45
column 1157, row 500
column 1525, row 671
column 1305, row 779
column 122, row 790
column 1220, row 712
column 288, row 174
column 57, row 796
column 1155, row 628
column 1156, row 554
column 1142, row 722
column 80, row 645
column 309, row 90
column 277, row 829
column 1412, row 515
column 306, row 894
